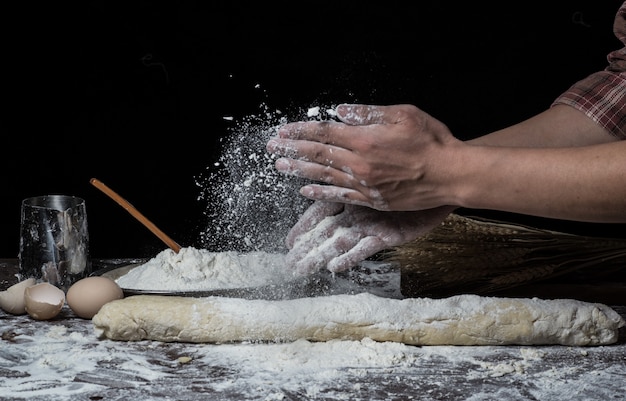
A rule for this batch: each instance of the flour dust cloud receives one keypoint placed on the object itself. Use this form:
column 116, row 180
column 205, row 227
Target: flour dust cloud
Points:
column 249, row 205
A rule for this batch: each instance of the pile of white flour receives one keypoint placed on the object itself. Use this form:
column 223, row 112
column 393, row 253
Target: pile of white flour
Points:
column 193, row 269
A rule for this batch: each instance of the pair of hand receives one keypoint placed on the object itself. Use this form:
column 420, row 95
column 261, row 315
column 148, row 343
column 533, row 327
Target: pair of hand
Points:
column 378, row 189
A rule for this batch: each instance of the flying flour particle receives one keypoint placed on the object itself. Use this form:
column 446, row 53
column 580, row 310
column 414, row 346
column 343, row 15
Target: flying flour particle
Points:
column 250, row 206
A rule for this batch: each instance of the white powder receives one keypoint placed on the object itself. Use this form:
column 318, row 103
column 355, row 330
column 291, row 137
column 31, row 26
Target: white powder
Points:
column 249, row 205
column 202, row 270
column 45, row 363
column 194, row 269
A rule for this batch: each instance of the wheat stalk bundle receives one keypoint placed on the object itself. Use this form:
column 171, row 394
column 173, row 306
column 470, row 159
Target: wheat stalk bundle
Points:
column 483, row 256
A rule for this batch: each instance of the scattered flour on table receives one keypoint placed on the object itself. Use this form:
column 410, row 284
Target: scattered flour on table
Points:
column 193, row 269
column 54, row 362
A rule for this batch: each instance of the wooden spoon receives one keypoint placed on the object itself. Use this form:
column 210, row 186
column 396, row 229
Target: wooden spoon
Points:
column 136, row 214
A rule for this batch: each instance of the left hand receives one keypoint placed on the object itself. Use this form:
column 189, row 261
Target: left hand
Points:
column 338, row 236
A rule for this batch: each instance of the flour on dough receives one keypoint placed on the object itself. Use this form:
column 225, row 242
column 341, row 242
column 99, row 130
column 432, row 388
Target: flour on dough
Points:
column 458, row 320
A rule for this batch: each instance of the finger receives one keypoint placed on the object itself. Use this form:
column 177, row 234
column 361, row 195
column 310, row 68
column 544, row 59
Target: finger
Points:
column 317, row 212
column 318, row 131
column 332, row 193
column 310, row 151
column 301, row 149
column 365, row 248
column 314, row 152
column 307, row 258
column 316, row 172
column 324, row 133
column 309, row 264
column 299, row 257
column 361, row 114
column 282, row 147
column 319, row 257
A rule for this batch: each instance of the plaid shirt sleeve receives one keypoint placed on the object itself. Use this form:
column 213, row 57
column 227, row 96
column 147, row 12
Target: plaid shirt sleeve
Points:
column 602, row 95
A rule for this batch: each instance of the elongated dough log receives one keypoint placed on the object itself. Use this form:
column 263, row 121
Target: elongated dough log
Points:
column 458, row 320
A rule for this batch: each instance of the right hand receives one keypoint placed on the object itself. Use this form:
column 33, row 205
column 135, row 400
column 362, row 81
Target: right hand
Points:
column 389, row 158
column 338, row 236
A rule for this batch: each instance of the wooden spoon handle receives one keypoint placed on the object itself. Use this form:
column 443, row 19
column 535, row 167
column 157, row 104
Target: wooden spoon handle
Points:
column 136, row 214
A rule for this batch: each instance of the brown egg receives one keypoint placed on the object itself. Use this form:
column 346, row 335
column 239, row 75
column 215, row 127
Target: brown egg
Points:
column 43, row 301
column 85, row 297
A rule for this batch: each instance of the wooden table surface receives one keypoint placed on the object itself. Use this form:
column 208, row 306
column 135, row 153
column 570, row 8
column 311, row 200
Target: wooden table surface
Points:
column 62, row 359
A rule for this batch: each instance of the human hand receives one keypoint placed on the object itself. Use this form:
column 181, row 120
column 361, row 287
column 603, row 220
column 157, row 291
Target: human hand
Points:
column 338, row 236
column 384, row 157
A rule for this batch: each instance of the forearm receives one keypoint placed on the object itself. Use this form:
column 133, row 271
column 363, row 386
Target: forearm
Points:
column 559, row 126
column 586, row 183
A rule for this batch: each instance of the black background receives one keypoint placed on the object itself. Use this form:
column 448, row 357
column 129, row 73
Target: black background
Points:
column 135, row 93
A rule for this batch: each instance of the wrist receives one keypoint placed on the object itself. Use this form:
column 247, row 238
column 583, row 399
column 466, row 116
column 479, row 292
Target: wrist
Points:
column 461, row 170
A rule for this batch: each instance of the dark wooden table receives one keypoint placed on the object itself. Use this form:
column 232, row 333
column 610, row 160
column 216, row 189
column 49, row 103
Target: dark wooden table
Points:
column 62, row 359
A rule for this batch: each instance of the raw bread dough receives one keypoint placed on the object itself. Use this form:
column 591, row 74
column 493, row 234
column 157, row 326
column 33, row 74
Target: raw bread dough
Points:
column 458, row 320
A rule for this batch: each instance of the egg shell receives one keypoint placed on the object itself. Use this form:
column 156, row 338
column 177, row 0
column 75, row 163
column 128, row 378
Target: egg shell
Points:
column 86, row 296
column 43, row 301
column 12, row 300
